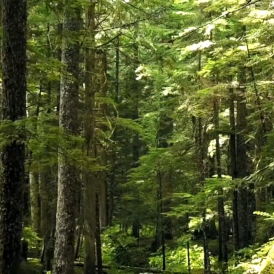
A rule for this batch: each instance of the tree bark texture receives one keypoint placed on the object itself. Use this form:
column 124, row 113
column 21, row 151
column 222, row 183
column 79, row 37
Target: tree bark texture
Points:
column 13, row 154
column 68, row 120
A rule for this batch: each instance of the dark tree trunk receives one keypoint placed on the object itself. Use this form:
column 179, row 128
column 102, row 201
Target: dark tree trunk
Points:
column 90, row 180
column 98, row 237
column 26, row 201
column 48, row 188
column 112, row 186
column 251, row 207
column 80, row 222
column 67, row 173
column 135, row 88
column 101, row 85
column 233, row 166
column 13, row 154
column 223, row 255
column 201, row 157
column 35, row 202
column 242, row 163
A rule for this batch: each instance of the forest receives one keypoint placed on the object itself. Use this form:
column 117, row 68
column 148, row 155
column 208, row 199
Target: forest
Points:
column 137, row 137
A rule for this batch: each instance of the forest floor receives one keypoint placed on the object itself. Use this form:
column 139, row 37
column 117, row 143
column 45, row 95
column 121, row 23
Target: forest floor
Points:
column 139, row 259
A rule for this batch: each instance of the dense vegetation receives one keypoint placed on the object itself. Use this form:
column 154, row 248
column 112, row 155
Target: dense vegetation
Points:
column 137, row 136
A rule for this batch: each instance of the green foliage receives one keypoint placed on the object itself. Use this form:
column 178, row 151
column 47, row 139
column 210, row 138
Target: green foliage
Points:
column 31, row 237
column 176, row 259
column 31, row 267
column 120, row 248
column 34, row 242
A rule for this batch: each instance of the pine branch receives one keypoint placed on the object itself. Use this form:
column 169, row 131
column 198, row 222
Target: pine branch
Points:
column 137, row 21
column 224, row 14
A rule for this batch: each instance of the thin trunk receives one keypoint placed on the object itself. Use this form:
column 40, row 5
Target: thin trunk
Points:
column 103, row 87
column 156, row 244
column 35, row 202
column 103, row 194
column 90, row 181
column 188, row 257
column 233, row 165
column 80, row 223
column 162, row 222
column 35, row 197
column 112, row 186
column 78, row 243
column 26, row 200
column 207, row 265
column 135, row 91
column 200, row 144
column 90, row 225
column 242, row 162
column 98, row 237
column 251, row 208
column 223, row 255
column 48, row 191
column 59, row 57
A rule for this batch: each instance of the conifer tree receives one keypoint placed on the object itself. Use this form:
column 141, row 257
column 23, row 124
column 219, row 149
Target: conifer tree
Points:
column 13, row 107
column 68, row 175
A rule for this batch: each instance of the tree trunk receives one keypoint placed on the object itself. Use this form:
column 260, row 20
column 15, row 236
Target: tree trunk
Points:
column 79, row 222
column 101, row 67
column 68, row 120
column 13, row 154
column 251, row 208
column 90, row 225
column 207, row 264
column 48, row 193
column 112, row 174
column 233, row 165
column 90, row 180
column 26, row 200
column 35, row 202
column 242, row 163
column 98, row 237
column 223, row 254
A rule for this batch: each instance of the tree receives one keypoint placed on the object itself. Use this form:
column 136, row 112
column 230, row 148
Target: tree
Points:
column 13, row 153
column 68, row 121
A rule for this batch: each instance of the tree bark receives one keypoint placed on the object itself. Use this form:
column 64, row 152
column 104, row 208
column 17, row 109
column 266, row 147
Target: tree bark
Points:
column 13, row 154
column 68, row 120
column 90, row 180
